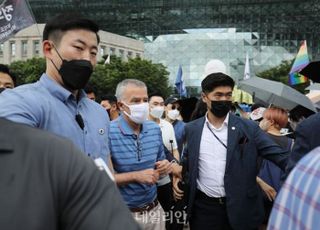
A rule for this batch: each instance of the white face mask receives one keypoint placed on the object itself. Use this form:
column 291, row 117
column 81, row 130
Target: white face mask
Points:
column 138, row 113
column 157, row 111
column 173, row 114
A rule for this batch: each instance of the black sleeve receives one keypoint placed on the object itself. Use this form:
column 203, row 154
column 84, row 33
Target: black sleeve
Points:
column 300, row 148
column 89, row 199
column 269, row 150
column 168, row 154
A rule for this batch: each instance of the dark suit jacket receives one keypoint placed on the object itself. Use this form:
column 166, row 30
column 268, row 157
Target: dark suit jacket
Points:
column 307, row 138
column 246, row 141
column 46, row 183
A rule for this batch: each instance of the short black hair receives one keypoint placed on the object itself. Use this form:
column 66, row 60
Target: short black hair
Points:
column 5, row 69
column 171, row 100
column 111, row 98
column 215, row 80
column 57, row 26
column 199, row 110
column 90, row 89
column 155, row 94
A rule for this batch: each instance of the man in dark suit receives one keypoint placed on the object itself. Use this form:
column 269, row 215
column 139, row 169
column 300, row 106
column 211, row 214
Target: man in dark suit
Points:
column 222, row 151
column 307, row 139
column 46, row 183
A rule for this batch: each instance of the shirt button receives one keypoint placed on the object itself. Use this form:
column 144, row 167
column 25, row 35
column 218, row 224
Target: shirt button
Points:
column 101, row 131
column 85, row 132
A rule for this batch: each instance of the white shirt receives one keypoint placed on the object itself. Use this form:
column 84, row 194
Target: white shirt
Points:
column 212, row 159
column 168, row 135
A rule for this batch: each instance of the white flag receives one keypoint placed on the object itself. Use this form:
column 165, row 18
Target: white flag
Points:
column 247, row 68
column 107, row 61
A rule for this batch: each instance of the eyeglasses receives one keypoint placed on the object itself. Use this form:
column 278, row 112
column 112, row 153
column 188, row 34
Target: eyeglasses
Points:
column 173, row 107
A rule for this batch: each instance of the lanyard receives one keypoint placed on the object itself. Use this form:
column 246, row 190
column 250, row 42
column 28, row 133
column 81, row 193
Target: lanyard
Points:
column 216, row 135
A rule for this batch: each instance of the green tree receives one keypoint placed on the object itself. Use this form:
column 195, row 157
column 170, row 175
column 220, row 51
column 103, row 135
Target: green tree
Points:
column 28, row 71
column 106, row 77
column 281, row 73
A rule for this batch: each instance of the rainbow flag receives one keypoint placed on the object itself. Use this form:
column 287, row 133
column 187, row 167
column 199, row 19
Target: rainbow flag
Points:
column 302, row 59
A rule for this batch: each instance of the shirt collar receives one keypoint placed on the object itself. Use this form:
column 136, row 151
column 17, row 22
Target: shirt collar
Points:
column 162, row 123
column 126, row 129
column 225, row 122
column 57, row 90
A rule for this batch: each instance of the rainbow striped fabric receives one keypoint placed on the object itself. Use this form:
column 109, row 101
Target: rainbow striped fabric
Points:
column 302, row 59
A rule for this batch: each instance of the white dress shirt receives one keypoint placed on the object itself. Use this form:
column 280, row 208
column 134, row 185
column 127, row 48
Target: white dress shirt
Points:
column 168, row 135
column 212, row 159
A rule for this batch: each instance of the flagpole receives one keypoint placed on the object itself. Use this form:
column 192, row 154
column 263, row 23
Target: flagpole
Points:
column 34, row 18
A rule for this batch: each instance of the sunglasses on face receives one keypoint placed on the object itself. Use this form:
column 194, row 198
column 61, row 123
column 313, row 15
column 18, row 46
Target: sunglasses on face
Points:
column 173, row 107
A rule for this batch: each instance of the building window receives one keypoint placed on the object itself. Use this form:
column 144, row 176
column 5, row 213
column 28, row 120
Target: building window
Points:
column 24, row 48
column 13, row 49
column 129, row 54
column 121, row 52
column 36, row 48
column 102, row 51
column 1, row 49
column 138, row 55
column 112, row 51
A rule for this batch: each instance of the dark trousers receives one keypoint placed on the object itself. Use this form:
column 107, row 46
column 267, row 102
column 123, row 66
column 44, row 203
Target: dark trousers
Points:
column 209, row 213
column 165, row 197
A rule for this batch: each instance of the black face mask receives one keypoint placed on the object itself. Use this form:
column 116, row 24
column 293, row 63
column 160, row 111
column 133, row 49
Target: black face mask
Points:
column 220, row 108
column 75, row 74
column 2, row 89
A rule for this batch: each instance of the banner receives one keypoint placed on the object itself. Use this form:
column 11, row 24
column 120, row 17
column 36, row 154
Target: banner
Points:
column 180, row 83
column 301, row 61
column 107, row 61
column 14, row 16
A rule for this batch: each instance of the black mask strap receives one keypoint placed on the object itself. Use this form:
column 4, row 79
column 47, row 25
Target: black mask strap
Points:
column 53, row 45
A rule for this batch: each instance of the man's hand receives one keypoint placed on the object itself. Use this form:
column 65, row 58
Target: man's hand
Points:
column 163, row 167
column 177, row 170
column 177, row 192
column 147, row 176
column 267, row 189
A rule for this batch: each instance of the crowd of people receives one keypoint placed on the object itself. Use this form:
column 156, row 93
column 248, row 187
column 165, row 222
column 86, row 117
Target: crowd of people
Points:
column 130, row 160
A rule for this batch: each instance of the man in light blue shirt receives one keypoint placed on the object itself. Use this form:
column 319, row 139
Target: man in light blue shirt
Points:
column 57, row 102
column 137, row 155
